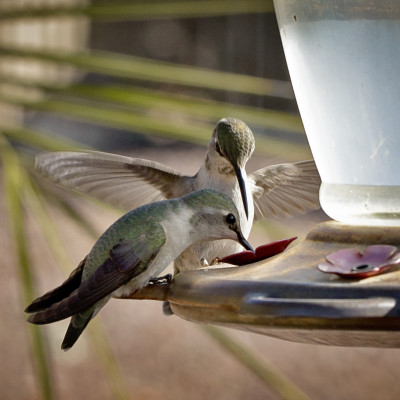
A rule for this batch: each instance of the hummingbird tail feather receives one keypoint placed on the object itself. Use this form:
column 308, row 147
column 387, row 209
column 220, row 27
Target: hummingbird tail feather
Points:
column 57, row 311
column 77, row 325
column 59, row 293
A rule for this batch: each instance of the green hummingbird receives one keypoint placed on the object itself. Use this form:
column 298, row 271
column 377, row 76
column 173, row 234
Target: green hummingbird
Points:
column 132, row 251
column 276, row 190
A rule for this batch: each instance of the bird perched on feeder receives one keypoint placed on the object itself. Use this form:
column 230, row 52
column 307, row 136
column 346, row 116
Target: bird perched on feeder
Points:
column 132, row 251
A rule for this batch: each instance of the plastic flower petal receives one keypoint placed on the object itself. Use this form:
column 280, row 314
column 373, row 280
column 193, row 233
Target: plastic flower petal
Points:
column 261, row 253
column 351, row 263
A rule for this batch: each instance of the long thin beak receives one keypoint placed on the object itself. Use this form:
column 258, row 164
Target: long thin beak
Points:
column 242, row 186
column 244, row 242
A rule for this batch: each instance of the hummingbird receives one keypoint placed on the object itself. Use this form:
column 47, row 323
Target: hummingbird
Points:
column 132, row 251
column 272, row 191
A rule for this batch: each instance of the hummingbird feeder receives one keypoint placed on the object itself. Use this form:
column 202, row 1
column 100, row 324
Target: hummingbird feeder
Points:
column 344, row 63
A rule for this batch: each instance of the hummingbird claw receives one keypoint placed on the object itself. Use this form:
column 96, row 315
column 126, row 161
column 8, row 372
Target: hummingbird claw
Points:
column 215, row 261
column 204, row 262
column 161, row 280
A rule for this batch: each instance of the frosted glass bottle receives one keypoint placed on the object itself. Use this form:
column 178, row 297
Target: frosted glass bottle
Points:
column 344, row 63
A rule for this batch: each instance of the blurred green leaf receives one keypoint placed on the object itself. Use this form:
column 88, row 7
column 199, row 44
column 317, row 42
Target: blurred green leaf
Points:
column 138, row 122
column 41, row 140
column 14, row 179
column 168, row 102
column 144, row 69
column 275, row 380
column 143, row 10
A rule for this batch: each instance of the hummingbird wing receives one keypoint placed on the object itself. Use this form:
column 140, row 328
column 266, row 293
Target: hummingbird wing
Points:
column 285, row 189
column 126, row 260
column 118, row 180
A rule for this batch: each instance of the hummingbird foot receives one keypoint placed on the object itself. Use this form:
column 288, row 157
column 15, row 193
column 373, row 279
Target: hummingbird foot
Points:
column 215, row 261
column 161, row 280
column 204, row 262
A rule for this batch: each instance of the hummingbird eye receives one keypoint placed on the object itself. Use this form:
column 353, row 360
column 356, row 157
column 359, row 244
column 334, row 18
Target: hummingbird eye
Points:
column 218, row 149
column 230, row 219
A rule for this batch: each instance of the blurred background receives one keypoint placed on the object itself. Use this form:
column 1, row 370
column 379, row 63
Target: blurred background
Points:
column 148, row 79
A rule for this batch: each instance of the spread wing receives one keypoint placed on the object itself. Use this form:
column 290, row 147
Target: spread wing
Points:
column 285, row 189
column 118, row 180
column 126, row 260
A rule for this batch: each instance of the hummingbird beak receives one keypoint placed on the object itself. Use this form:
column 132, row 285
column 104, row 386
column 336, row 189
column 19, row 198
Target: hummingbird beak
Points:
column 242, row 186
column 244, row 242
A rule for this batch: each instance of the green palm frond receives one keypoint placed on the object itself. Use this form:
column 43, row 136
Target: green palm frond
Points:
column 144, row 99
column 143, row 69
column 14, row 185
column 134, row 11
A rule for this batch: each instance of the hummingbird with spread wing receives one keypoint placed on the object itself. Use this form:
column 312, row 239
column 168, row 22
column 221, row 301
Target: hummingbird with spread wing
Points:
column 134, row 250
column 272, row 191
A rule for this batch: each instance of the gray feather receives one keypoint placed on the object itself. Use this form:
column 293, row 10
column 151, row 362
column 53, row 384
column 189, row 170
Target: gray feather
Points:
column 286, row 189
column 118, row 180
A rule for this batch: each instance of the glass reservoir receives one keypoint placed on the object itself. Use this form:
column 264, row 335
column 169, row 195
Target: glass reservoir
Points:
column 344, row 63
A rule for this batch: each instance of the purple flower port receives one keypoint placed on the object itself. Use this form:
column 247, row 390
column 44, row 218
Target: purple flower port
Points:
column 351, row 263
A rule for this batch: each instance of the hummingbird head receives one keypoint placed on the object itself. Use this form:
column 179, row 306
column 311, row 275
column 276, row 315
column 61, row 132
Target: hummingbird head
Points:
column 214, row 216
column 233, row 141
